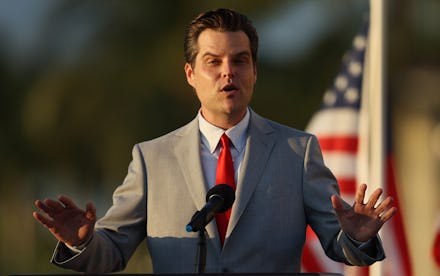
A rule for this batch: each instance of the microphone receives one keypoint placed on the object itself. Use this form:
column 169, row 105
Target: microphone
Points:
column 218, row 200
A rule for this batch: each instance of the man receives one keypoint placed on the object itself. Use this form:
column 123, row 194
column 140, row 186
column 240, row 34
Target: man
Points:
column 281, row 182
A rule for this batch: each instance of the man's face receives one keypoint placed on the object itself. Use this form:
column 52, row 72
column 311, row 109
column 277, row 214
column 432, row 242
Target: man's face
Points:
column 223, row 76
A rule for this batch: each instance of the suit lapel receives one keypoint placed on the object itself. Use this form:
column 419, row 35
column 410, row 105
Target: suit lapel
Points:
column 258, row 148
column 188, row 139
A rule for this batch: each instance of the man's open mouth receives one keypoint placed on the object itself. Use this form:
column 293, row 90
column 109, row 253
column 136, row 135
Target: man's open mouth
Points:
column 229, row 87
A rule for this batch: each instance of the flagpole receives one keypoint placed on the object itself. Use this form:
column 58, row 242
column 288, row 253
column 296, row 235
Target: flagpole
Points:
column 377, row 74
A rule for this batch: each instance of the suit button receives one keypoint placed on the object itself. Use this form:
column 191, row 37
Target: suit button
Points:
column 225, row 270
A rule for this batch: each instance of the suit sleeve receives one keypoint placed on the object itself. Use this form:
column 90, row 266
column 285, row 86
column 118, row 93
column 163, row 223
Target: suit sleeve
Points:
column 319, row 185
column 119, row 232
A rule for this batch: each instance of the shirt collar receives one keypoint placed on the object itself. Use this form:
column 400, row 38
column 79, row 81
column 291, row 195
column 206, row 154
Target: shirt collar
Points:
column 211, row 134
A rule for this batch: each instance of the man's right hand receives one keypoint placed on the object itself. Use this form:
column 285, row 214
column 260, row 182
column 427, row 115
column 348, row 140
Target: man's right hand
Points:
column 68, row 223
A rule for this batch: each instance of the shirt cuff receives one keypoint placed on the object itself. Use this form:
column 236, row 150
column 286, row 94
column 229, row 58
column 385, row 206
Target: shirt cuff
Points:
column 78, row 248
column 363, row 246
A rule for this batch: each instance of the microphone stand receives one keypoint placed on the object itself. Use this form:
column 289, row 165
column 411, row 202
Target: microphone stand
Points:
column 201, row 252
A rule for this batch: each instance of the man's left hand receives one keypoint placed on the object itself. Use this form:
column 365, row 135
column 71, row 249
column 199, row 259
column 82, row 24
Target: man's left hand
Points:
column 363, row 221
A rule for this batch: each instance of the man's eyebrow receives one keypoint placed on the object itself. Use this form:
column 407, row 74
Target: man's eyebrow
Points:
column 210, row 54
column 242, row 53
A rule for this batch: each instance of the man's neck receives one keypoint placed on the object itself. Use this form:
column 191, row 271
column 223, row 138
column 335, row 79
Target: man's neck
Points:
column 225, row 122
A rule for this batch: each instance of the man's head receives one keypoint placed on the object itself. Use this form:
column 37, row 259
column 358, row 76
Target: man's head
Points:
column 222, row 20
column 221, row 48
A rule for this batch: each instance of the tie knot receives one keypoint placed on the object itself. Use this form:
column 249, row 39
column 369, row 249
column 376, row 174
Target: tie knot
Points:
column 224, row 140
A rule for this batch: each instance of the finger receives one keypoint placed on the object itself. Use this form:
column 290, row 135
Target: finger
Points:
column 90, row 211
column 54, row 205
column 337, row 204
column 388, row 214
column 374, row 198
column 42, row 219
column 360, row 194
column 67, row 201
column 384, row 205
column 43, row 207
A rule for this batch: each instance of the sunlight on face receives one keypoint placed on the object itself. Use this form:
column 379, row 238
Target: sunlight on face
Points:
column 223, row 76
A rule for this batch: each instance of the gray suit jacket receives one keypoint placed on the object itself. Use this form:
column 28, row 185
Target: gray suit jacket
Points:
column 284, row 187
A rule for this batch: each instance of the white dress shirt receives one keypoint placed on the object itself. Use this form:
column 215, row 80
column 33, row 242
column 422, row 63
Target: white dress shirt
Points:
column 210, row 148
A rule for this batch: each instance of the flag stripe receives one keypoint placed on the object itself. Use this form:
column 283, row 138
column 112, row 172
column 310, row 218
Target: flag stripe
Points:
column 309, row 255
column 348, row 144
column 436, row 248
column 396, row 224
column 347, row 185
column 341, row 121
column 315, row 258
column 342, row 165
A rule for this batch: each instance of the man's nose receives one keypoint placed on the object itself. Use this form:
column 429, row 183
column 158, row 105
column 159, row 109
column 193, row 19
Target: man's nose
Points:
column 228, row 69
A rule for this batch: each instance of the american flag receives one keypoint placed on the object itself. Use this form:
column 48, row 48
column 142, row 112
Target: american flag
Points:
column 338, row 124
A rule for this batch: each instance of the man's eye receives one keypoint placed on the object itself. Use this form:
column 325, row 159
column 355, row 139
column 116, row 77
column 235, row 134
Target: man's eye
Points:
column 241, row 60
column 213, row 61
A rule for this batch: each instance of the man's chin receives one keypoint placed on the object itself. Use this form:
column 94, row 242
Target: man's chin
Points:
column 234, row 112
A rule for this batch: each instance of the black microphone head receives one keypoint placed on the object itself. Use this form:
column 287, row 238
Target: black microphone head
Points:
column 225, row 192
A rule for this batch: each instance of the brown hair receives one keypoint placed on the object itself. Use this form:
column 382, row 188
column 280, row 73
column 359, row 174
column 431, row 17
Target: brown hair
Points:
column 223, row 20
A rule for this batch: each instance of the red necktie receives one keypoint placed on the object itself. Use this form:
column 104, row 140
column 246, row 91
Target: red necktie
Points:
column 224, row 175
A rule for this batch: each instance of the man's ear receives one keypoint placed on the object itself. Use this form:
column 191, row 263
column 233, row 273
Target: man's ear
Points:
column 189, row 73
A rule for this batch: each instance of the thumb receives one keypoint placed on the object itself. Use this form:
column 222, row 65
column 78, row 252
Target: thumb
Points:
column 337, row 203
column 90, row 211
